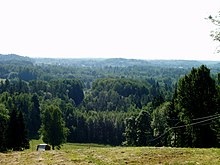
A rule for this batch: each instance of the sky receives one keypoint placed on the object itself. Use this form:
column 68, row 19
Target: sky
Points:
column 137, row 29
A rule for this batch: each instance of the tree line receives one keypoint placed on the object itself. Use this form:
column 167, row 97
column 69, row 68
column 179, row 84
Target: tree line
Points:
column 190, row 119
column 115, row 110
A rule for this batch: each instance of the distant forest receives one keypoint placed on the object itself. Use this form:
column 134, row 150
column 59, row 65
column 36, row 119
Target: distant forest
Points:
column 109, row 101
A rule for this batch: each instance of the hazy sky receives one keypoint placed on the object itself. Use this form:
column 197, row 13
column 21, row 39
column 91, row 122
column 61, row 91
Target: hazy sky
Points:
column 143, row 29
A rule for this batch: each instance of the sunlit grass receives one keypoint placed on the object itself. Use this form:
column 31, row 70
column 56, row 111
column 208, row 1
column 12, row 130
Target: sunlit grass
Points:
column 34, row 143
column 101, row 154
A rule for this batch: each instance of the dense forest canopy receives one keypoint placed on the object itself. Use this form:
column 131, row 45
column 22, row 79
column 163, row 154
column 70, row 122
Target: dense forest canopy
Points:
column 109, row 101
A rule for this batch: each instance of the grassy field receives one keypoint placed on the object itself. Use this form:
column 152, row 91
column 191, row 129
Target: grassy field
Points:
column 99, row 154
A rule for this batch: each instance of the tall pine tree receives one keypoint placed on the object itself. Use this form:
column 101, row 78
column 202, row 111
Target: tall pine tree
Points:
column 4, row 119
column 34, row 118
column 17, row 133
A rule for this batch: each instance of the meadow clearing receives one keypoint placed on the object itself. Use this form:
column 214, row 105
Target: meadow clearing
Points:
column 100, row 154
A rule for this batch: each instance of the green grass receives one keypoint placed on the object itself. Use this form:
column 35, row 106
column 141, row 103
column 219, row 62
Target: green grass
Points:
column 101, row 154
column 34, row 143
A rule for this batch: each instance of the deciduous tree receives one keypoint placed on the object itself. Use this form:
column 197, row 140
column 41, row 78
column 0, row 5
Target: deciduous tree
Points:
column 53, row 127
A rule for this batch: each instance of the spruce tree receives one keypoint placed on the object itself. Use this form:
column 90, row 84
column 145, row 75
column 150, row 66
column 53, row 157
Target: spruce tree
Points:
column 23, row 134
column 17, row 133
column 34, row 119
column 196, row 98
column 4, row 119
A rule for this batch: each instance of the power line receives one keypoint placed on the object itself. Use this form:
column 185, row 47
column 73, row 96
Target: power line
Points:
column 205, row 117
column 192, row 124
column 198, row 118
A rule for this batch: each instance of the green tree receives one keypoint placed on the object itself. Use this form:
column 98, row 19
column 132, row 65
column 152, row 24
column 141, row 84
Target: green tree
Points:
column 17, row 134
column 216, row 125
column 53, row 127
column 215, row 34
column 196, row 99
column 34, row 118
column 23, row 133
column 130, row 132
column 159, row 123
column 144, row 133
column 4, row 119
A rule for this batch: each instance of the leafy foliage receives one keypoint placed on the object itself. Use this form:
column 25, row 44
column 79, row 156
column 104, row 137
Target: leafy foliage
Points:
column 53, row 127
column 109, row 101
column 138, row 131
